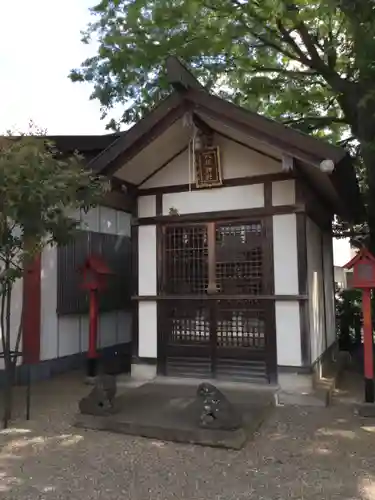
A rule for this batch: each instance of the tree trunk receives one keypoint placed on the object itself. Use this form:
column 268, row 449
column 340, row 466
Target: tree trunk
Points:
column 366, row 136
column 8, row 394
column 8, row 361
column 368, row 155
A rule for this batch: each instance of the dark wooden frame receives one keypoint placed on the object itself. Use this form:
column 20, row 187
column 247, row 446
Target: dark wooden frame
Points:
column 248, row 213
column 324, row 288
column 304, row 321
column 303, row 288
column 236, row 181
column 269, row 298
column 135, row 282
column 271, row 347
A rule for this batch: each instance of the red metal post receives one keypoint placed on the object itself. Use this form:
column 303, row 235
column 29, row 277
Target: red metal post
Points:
column 93, row 334
column 368, row 346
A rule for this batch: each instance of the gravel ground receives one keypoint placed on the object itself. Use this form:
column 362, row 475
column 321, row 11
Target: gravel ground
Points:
column 300, row 453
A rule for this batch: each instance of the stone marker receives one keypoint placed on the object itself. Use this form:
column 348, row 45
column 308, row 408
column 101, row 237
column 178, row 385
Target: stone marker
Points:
column 215, row 411
column 101, row 399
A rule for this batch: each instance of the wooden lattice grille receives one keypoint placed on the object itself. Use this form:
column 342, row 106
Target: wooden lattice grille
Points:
column 212, row 317
column 231, row 262
column 225, row 323
column 239, row 258
column 240, row 324
column 185, row 259
column 189, row 323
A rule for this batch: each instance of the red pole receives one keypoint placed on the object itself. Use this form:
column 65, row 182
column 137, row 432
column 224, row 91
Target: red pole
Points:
column 93, row 333
column 368, row 346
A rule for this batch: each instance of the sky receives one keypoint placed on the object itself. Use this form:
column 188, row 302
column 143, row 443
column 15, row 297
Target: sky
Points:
column 39, row 45
column 341, row 252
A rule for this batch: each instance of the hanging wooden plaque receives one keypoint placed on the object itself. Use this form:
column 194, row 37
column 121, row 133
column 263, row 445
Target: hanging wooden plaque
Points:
column 208, row 168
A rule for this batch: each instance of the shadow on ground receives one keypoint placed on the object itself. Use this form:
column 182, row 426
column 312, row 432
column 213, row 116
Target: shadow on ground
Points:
column 299, row 453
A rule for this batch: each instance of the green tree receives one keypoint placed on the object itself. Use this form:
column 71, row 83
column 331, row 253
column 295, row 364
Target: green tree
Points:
column 308, row 63
column 38, row 190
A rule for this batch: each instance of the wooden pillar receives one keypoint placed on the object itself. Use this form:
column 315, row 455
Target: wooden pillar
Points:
column 92, row 355
column 368, row 346
column 31, row 313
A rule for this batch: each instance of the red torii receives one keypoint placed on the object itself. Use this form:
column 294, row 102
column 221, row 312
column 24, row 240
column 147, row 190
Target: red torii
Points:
column 363, row 265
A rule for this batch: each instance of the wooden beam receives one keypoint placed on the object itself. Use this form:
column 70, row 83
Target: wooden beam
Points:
column 119, row 201
column 303, row 280
column 159, row 169
column 239, row 181
column 220, row 215
column 283, row 298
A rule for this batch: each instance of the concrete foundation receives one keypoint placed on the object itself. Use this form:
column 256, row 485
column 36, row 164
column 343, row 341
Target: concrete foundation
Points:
column 164, row 412
column 143, row 371
column 295, row 382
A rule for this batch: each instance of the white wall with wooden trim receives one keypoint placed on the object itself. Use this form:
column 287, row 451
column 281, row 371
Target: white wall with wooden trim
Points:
column 218, row 199
column 315, row 289
column 146, row 206
column 284, row 192
column 285, row 263
column 288, row 333
column 67, row 335
column 236, row 161
column 147, row 273
column 214, row 200
column 285, row 254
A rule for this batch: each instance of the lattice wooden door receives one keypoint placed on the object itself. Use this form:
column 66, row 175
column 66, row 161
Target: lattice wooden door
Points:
column 211, row 323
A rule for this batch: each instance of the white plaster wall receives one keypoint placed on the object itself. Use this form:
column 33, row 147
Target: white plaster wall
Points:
column 212, row 200
column 236, row 161
column 49, row 328
column 329, row 288
column 146, row 206
column 147, row 333
column 285, row 259
column 66, row 335
column 285, row 262
column 15, row 318
column 147, row 260
column 147, row 273
column 283, row 193
column 288, row 333
column 315, row 289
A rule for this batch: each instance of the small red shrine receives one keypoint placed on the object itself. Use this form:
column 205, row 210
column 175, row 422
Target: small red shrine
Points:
column 95, row 273
column 363, row 265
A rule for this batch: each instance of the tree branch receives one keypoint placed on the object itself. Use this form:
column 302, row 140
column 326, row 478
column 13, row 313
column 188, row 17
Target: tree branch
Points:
column 286, row 36
column 283, row 71
column 321, row 120
column 314, row 59
column 345, row 142
column 275, row 44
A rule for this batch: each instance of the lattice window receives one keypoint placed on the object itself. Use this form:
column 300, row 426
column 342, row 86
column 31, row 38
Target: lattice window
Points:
column 185, row 259
column 240, row 324
column 239, row 258
column 189, row 324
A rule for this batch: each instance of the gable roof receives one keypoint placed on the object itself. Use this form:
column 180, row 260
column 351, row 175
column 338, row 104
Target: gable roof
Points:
column 85, row 144
column 189, row 95
column 299, row 145
column 362, row 254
